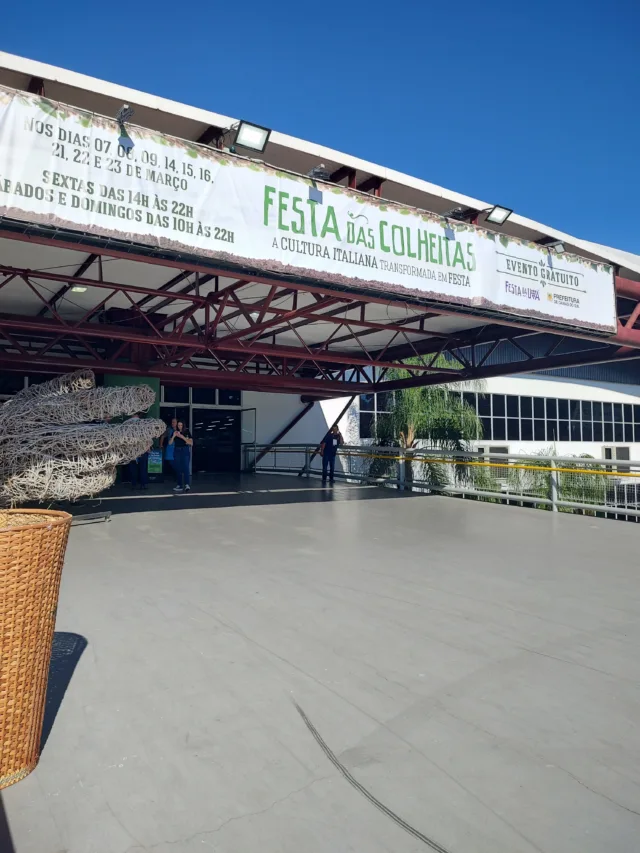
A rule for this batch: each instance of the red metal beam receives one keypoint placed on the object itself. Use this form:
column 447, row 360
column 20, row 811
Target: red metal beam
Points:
column 575, row 359
column 84, row 266
column 302, row 385
column 625, row 288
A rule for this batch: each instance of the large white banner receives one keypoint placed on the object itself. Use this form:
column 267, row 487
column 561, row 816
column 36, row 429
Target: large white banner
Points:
column 60, row 166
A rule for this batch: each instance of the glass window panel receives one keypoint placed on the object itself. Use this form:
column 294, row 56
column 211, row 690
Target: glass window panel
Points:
column 575, row 431
column 597, row 411
column 367, row 402
column 608, row 432
column 627, row 411
column 512, row 406
column 499, row 430
column 176, row 393
column 366, row 424
column 552, row 430
column 204, row 396
column 587, row 431
column 552, row 409
column 636, row 432
column 486, row 427
column 230, row 398
column 385, row 401
column 618, row 432
column 574, row 410
column 484, row 404
column 498, row 404
column 526, row 427
column 636, row 414
column 526, row 409
column 607, row 412
column 617, row 412
column 469, row 398
column 563, row 430
column 586, row 410
column 563, row 409
column 39, row 378
column 628, row 432
column 513, row 429
column 623, row 453
column 598, row 435
column 12, row 382
column 538, row 430
column 538, row 407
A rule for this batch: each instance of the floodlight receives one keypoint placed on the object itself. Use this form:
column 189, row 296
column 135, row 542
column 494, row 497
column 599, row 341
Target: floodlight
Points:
column 462, row 214
column 319, row 173
column 252, row 136
column 78, row 289
column 556, row 245
column 498, row 215
column 124, row 113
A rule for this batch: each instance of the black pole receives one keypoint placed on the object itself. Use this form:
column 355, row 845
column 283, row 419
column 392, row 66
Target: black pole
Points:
column 335, row 423
column 282, row 433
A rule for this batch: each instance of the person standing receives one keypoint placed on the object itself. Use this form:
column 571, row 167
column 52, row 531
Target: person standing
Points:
column 329, row 450
column 182, row 442
column 167, row 447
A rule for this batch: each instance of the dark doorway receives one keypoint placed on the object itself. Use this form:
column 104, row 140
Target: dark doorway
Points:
column 216, row 440
column 179, row 412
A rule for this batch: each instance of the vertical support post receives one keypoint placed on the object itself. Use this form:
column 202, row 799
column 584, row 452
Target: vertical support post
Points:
column 401, row 462
column 307, row 462
column 553, row 486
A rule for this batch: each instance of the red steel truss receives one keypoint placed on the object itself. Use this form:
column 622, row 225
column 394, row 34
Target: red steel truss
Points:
column 195, row 339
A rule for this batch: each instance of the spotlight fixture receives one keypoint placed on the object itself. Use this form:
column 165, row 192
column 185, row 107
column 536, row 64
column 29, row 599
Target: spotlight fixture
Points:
column 124, row 114
column 461, row 214
column 252, row 136
column 497, row 215
column 77, row 288
column 556, row 245
column 319, row 173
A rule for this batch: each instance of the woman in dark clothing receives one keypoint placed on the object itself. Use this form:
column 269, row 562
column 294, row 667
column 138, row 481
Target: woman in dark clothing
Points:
column 182, row 443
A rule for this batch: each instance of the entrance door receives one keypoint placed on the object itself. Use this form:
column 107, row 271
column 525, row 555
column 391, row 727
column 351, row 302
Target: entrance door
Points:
column 216, row 440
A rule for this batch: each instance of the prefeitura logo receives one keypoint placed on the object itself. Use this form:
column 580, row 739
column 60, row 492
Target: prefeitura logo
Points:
column 561, row 299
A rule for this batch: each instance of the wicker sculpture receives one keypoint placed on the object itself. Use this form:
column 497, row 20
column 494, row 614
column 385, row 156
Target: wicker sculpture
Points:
column 56, row 442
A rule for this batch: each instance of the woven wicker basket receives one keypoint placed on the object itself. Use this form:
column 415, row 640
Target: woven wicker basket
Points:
column 32, row 546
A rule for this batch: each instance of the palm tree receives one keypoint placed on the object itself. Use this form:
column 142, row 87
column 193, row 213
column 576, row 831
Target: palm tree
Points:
column 430, row 416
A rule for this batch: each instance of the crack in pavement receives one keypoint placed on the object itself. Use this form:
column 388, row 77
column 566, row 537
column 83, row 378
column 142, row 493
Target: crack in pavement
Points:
column 206, row 832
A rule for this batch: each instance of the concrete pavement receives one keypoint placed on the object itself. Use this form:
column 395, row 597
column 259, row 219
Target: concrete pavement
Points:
column 473, row 667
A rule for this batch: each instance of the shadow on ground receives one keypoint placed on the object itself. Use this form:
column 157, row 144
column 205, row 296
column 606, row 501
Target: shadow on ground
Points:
column 6, row 843
column 230, row 490
column 65, row 654
column 66, row 651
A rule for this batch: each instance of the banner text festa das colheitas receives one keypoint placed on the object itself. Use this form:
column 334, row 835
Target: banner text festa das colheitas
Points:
column 64, row 167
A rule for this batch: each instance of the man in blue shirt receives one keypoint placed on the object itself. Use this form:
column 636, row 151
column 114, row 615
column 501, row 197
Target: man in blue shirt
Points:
column 329, row 450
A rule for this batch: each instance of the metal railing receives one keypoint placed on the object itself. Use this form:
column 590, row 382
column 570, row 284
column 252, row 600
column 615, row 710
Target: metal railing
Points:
column 604, row 488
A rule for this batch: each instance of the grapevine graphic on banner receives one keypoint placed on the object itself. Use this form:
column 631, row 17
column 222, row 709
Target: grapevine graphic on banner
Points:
column 63, row 167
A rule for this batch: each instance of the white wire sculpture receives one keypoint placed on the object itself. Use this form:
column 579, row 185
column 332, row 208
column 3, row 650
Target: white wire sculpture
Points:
column 56, row 442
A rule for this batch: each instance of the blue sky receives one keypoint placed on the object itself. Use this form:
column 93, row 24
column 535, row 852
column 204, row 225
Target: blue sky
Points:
column 533, row 106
